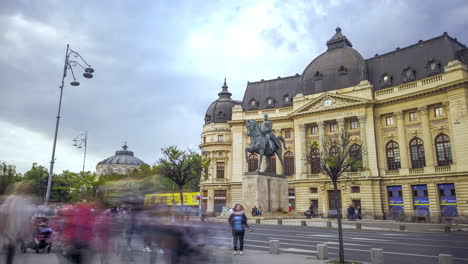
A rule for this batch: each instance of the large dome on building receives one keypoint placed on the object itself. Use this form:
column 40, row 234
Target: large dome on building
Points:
column 220, row 111
column 339, row 67
column 124, row 157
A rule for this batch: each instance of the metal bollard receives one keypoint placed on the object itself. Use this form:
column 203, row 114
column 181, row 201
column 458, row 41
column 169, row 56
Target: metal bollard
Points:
column 445, row 259
column 322, row 251
column 358, row 226
column 280, row 221
column 329, row 225
column 303, row 223
column 447, row 229
column 257, row 221
column 274, row 247
column 377, row 256
column 402, row 227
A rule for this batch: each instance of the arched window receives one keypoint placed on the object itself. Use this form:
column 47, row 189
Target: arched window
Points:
column 333, row 151
column 315, row 161
column 443, row 150
column 289, row 163
column 272, row 168
column 356, row 157
column 393, row 156
column 417, row 153
column 253, row 162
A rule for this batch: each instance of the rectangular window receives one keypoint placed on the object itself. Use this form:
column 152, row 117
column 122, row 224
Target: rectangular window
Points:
column 204, row 139
column 390, row 194
column 220, row 170
column 313, row 190
column 425, row 193
column 415, row 193
column 452, row 192
column 438, row 111
column 413, row 116
column 314, row 129
column 333, row 127
column 389, row 120
column 353, row 124
column 287, row 134
column 220, row 138
column 355, row 189
column 400, row 193
column 291, row 192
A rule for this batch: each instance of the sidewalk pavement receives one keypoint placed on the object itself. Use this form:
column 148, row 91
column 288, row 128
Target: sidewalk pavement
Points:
column 217, row 256
column 381, row 225
column 253, row 256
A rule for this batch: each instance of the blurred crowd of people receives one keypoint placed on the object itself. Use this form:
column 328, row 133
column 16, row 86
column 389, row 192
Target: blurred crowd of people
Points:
column 83, row 231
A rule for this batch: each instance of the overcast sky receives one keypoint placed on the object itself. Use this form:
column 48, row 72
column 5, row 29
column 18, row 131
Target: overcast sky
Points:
column 159, row 64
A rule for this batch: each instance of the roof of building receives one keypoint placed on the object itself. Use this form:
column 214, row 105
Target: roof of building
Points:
column 271, row 93
column 342, row 66
column 124, row 157
column 414, row 62
column 220, row 111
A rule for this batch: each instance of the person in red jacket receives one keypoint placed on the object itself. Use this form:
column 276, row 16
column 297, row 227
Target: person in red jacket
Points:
column 78, row 231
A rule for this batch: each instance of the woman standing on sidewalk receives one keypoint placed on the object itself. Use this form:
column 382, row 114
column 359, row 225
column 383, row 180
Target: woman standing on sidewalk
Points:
column 238, row 222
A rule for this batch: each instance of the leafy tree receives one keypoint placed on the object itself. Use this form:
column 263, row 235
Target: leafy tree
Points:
column 182, row 167
column 8, row 176
column 37, row 176
column 336, row 156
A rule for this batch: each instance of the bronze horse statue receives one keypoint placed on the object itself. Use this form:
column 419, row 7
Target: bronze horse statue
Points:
column 261, row 146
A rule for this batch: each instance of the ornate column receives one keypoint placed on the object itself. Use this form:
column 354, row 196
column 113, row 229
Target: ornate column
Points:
column 362, row 134
column 321, row 128
column 301, row 148
column 427, row 137
column 402, row 139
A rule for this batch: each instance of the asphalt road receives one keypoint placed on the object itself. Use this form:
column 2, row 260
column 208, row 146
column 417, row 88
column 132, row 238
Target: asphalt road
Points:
column 398, row 247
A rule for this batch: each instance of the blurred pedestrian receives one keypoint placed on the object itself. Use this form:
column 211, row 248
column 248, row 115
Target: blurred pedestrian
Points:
column 15, row 216
column 254, row 210
column 359, row 213
column 351, row 213
column 238, row 222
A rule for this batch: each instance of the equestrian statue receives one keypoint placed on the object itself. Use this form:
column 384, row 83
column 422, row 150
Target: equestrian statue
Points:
column 264, row 143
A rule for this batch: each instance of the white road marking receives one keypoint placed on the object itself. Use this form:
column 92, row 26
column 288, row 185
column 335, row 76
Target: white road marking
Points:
column 370, row 239
column 298, row 250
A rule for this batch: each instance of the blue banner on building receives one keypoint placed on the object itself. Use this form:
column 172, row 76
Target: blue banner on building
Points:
column 395, row 201
column 447, row 199
column 420, row 200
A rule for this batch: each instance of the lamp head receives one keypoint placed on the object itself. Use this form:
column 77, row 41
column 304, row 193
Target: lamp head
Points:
column 75, row 145
column 88, row 75
column 89, row 70
column 74, row 83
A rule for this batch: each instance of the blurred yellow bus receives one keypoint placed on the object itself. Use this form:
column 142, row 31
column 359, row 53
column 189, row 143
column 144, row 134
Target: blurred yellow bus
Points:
column 190, row 198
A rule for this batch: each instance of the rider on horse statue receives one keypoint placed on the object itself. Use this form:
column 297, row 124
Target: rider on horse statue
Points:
column 266, row 129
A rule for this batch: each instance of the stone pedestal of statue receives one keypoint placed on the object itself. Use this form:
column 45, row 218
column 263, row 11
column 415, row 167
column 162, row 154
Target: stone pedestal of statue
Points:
column 270, row 191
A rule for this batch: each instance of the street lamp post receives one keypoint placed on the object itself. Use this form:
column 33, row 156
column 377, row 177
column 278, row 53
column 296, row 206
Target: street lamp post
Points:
column 81, row 141
column 69, row 64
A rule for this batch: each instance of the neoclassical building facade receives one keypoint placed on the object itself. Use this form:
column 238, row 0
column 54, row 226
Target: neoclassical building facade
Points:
column 408, row 107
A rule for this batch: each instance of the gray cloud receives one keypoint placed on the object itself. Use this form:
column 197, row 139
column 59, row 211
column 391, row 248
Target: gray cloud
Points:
column 150, row 88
